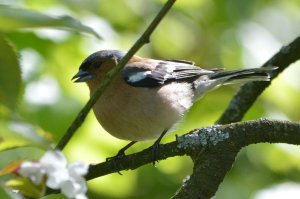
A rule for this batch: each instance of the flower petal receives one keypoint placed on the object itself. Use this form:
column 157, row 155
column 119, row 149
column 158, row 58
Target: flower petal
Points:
column 81, row 196
column 70, row 188
column 57, row 177
column 53, row 160
column 33, row 171
column 78, row 169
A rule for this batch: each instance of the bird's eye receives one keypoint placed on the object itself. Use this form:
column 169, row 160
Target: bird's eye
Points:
column 97, row 64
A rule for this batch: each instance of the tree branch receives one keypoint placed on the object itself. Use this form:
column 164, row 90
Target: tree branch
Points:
column 210, row 168
column 108, row 77
column 235, row 111
column 216, row 141
column 249, row 92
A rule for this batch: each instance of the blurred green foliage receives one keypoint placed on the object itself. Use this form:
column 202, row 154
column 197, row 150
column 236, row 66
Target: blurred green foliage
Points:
column 213, row 33
column 4, row 194
column 10, row 79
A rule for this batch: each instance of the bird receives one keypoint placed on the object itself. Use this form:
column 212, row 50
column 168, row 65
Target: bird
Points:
column 149, row 97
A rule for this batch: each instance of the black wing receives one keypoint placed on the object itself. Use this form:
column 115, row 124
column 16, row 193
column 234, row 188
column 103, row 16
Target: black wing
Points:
column 156, row 73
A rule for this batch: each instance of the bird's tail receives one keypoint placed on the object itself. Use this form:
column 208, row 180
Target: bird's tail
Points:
column 221, row 77
column 242, row 76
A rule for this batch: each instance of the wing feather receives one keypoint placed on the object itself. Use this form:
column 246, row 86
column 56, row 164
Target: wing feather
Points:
column 157, row 73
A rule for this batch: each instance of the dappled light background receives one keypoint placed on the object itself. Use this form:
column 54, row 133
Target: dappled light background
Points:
column 214, row 33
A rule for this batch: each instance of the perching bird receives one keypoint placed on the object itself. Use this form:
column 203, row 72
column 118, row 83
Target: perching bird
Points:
column 151, row 96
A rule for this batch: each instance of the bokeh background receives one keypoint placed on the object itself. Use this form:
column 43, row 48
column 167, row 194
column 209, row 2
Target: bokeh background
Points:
column 213, row 33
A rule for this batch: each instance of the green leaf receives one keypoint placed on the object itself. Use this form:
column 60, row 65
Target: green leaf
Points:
column 11, row 168
column 4, row 194
column 14, row 134
column 54, row 196
column 13, row 18
column 26, row 187
column 10, row 75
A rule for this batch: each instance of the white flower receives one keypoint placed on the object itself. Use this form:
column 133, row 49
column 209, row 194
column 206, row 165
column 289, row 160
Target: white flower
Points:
column 33, row 171
column 78, row 169
column 55, row 164
column 59, row 175
column 75, row 186
column 53, row 160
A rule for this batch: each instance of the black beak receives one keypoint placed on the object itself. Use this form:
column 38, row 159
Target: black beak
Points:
column 82, row 76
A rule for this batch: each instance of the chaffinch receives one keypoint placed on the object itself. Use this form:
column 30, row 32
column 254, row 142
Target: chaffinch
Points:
column 151, row 96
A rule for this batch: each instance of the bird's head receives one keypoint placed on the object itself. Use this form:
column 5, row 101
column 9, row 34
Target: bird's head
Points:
column 94, row 67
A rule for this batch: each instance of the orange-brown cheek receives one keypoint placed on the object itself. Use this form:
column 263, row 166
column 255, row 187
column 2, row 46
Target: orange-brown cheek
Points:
column 99, row 74
column 93, row 84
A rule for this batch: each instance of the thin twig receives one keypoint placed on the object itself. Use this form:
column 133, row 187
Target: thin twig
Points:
column 145, row 37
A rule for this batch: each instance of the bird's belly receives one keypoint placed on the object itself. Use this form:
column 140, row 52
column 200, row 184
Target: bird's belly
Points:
column 133, row 115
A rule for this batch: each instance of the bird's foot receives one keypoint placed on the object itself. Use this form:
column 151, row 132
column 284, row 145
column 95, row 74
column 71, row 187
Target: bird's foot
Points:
column 155, row 147
column 116, row 160
column 155, row 152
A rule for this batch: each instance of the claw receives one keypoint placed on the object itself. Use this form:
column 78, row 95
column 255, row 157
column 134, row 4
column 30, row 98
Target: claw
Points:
column 155, row 147
column 120, row 155
column 116, row 161
column 155, row 152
